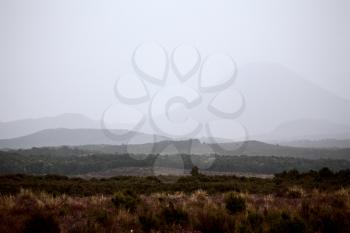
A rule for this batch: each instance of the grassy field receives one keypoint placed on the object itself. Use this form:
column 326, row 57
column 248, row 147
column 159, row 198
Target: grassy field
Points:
column 316, row 201
column 296, row 211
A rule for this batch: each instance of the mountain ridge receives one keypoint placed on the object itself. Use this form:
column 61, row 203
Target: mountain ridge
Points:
column 70, row 137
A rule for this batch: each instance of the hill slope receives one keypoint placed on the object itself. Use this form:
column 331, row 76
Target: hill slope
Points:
column 71, row 137
column 28, row 126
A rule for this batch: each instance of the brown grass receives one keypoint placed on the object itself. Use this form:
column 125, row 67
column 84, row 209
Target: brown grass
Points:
column 297, row 211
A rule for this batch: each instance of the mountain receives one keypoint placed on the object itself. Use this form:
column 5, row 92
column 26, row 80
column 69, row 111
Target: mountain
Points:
column 310, row 133
column 24, row 127
column 195, row 147
column 324, row 143
column 278, row 102
column 275, row 95
column 309, row 129
column 70, row 137
column 279, row 105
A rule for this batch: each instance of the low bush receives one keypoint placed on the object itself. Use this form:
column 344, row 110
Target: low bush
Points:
column 295, row 192
column 252, row 224
column 41, row 223
column 174, row 215
column 283, row 222
column 234, row 203
column 299, row 208
column 211, row 219
column 148, row 221
column 126, row 200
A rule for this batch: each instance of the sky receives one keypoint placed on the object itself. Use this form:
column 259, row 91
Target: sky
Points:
column 65, row 56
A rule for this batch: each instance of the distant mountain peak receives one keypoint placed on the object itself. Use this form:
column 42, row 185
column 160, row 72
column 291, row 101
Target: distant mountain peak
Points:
column 23, row 127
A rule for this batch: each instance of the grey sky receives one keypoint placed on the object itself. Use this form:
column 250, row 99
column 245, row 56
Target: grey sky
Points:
column 64, row 56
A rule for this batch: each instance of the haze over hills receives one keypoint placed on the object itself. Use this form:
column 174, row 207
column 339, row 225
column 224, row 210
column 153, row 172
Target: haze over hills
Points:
column 311, row 133
column 302, row 133
column 19, row 128
column 323, row 143
column 24, row 127
column 69, row 137
column 249, row 148
column 310, row 129
column 276, row 95
column 194, row 147
column 281, row 107
column 143, row 142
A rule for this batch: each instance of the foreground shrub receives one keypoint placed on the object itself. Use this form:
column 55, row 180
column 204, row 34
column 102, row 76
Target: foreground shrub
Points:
column 100, row 216
column 283, row 222
column 255, row 219
column 234, row 203
column 295, row 192
column 253, row 224
column 172, row 214
column 211, row 219
column 324, row 218
column 195, row 171
column 126, row 200
column 314, row 211
column 148, row 221
column 41, row 223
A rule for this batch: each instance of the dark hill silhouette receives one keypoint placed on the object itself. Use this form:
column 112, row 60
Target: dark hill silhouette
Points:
column 70, row 137
column 24, row 127
column 250, row 148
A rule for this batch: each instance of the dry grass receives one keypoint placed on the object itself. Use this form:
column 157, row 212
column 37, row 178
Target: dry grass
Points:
column 297, row 211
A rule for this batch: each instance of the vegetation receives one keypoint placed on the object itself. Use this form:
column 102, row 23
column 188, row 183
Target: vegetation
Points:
column 324, row 180
column 65, row 161
column 125, row 200
column 234, row 203
column 39, row 200
column 178, row 212
column 316, row 201
column 194, row 171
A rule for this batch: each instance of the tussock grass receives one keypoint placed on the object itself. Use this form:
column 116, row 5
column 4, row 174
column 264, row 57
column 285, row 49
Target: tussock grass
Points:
column 313, row 211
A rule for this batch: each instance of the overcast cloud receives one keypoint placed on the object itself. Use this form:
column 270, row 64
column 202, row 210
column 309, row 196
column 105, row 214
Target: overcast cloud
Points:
column 64, row 56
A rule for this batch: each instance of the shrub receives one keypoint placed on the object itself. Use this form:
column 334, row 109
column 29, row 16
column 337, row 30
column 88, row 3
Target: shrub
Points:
column 148, row 221
column 199, row 197
column 325, row 218
column 125, row 200
column 213, row 220
column 295, row 192
column 195, row 171
column 40, row 223
column 234, row 203
column 255, row 220
column 285, row 223
column 325, row 173
column 253, row 224
column 172, row 214
column 100, row 216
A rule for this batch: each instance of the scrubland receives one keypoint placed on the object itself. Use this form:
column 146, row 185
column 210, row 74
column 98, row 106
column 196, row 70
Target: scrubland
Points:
column 295, row 211
column 289, row 202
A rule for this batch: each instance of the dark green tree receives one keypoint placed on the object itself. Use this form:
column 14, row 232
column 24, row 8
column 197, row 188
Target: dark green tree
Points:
column 195, row 171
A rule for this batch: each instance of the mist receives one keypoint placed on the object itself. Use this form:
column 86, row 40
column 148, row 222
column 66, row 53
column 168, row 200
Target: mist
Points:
column 65, row 57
